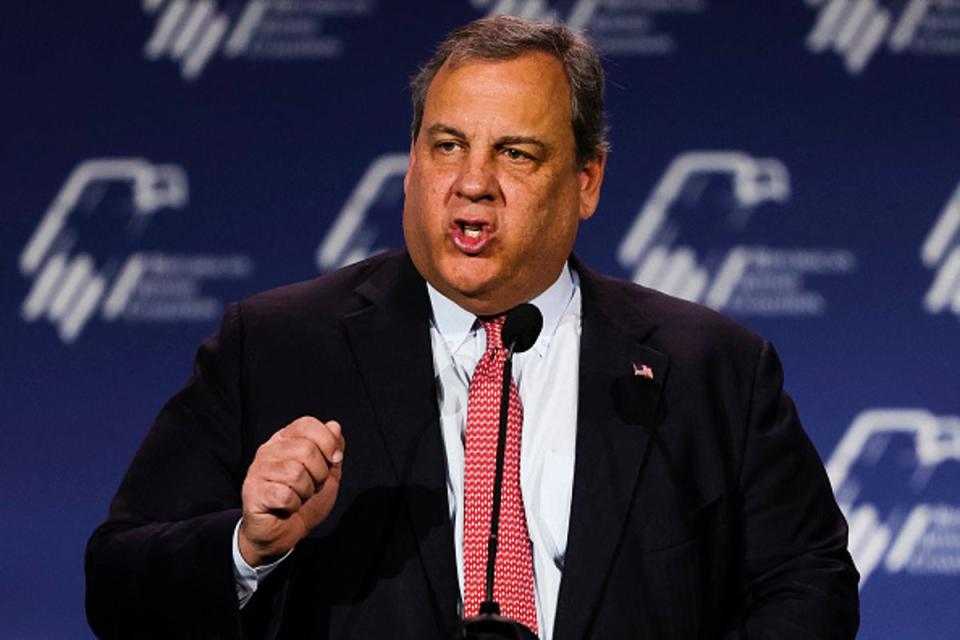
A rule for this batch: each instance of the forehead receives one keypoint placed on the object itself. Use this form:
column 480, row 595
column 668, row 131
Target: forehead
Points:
column 530, row 91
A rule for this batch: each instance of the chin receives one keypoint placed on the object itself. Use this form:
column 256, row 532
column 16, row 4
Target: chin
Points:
column 470, row 276
column 473, row 294
column 472, row 290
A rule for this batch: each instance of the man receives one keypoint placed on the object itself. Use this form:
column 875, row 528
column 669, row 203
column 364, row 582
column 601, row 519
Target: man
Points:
column 316, row 477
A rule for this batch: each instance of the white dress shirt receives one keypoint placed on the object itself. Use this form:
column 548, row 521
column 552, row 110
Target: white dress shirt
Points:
column 547, row 380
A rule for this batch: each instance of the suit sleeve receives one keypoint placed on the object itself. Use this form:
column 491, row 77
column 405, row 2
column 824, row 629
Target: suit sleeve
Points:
column 800, row 580
column 161, row 564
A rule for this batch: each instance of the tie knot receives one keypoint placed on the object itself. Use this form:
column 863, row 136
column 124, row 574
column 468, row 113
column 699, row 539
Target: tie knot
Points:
column 493, row 327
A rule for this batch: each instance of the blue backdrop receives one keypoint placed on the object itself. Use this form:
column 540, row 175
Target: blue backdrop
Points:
column 793, row 163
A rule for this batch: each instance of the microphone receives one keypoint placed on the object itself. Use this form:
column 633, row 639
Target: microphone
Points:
column 521, row 328
column 520, row 331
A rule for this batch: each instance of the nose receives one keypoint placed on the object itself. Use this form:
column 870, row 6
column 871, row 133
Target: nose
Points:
column 477, row 178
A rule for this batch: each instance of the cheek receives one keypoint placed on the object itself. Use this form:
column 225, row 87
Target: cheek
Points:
column 557, row 224
column 428, row 196
column 414, row 216
column 415, row 202
column 423, row 217
column 550, row 215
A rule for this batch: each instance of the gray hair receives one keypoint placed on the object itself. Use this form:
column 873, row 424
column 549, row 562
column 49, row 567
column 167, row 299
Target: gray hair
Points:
column 506, row 38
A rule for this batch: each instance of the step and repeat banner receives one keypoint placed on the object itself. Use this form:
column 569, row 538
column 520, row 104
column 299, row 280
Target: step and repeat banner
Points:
column 794, row 164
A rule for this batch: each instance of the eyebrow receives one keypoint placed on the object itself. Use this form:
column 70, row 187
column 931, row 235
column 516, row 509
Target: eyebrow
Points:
column 440, row 128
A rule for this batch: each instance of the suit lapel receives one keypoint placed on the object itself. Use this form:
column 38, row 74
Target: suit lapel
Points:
column 391, row 342
column 617, row 409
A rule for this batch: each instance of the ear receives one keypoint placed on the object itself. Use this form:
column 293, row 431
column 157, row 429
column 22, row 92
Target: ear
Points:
column 591, row 177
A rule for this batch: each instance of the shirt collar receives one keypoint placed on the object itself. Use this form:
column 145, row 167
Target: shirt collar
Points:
column 456, row 324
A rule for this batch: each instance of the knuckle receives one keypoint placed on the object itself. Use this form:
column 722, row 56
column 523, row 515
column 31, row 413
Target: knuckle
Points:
column 283, row 497
column 303, row 449
column 263, row 451
column 315, row 473
column 285, row 470
column 253, row 487
column 273, row 494
column 303, row 483
column 304, row 422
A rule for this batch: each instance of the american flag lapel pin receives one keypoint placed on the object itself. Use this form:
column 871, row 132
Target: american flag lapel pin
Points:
column 643, row 371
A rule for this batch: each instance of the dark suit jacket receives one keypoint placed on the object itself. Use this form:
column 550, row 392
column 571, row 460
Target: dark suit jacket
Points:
column 700, row 508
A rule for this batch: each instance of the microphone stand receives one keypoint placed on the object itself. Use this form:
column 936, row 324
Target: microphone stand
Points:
column 489, row 624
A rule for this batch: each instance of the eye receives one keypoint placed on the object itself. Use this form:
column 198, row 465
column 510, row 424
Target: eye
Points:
column 447, row 146
column 516, row 154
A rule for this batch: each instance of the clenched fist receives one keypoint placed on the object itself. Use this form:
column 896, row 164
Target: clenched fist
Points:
column 290, row 487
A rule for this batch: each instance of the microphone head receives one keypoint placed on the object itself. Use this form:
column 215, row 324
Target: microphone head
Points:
column 522, row 327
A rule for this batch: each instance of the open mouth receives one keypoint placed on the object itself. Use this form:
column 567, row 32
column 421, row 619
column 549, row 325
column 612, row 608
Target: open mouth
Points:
column 471, row 231
column 470, row 236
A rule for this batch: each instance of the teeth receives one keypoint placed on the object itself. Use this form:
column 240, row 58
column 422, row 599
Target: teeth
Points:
column 471, row 232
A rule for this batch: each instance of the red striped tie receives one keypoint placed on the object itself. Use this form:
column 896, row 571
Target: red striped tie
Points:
column 513, row 584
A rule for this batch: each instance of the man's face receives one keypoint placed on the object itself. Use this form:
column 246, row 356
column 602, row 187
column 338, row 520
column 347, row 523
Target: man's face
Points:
column 493, row 190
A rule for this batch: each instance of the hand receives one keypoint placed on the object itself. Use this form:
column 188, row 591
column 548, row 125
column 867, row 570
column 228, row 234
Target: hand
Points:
column 290, row 487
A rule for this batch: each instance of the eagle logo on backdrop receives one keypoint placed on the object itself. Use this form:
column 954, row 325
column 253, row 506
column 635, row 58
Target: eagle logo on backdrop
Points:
column 895, row 473
column 354, row 234
column 81, row 260
column 857, row 30
column 941, row 252
column 686, row 239
column 191, row 32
